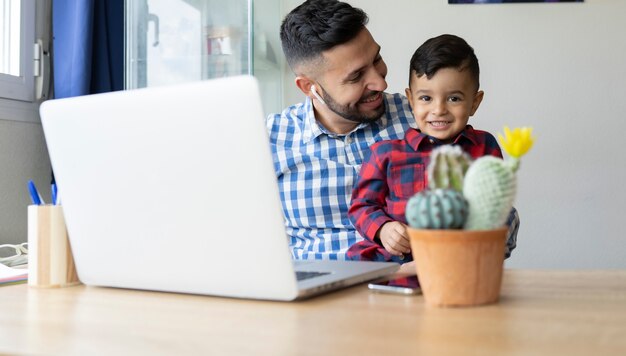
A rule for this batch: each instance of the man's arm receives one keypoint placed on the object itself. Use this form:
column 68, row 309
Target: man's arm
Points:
column 511, row 236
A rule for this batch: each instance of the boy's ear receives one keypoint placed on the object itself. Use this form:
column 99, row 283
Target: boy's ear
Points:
column 478, row 98
column 304, row 84
column 409, row 97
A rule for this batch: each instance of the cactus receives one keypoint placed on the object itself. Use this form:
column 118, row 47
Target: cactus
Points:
column 489, row 188
column 447, row 167
column 437, row 209
column 490, row 183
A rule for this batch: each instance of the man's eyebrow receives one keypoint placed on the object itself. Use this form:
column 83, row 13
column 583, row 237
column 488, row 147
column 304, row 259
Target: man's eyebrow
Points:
column 352, row 73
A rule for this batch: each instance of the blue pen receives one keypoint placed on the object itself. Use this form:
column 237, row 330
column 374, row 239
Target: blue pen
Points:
column 34, row 195
column 53, row 191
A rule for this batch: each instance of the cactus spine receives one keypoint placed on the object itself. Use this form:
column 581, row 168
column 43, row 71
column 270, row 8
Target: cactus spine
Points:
column 490, row 186
column 437, row 209
column 447, row 167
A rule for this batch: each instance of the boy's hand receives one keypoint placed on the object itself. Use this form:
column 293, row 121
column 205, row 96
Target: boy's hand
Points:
column 394, row 238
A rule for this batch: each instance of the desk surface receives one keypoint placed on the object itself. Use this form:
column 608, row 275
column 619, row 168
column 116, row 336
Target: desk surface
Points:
column 540, row 312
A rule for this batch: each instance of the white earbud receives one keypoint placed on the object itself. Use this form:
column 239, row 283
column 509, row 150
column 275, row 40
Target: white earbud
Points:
column 316, row 95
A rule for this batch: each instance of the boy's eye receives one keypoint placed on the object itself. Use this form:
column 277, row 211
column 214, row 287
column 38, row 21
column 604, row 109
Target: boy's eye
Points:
column 424, row 98
column 454, row 99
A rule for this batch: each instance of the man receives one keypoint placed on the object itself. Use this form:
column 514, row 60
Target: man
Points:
column 319, row 145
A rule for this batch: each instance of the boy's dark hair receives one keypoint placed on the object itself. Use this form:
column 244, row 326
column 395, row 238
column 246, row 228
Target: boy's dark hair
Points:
column 445, row 51
column 316, row 26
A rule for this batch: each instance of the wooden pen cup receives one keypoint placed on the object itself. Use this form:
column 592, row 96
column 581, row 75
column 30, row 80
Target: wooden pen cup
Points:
column 50, row 260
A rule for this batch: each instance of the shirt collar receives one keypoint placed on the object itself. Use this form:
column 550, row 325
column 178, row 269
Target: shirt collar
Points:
column 313, row 129
column 415, row 138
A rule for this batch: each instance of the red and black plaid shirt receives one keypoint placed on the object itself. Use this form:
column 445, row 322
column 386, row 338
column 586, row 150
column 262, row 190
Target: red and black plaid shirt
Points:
column 393, row 173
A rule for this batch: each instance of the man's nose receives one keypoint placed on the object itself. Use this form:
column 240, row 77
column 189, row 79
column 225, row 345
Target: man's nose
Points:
column 376, row 79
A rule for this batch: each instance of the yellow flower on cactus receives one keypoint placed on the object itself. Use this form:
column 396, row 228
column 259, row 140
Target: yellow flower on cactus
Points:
column 517, row 142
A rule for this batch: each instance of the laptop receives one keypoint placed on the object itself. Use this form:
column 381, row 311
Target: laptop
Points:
column 173, row 189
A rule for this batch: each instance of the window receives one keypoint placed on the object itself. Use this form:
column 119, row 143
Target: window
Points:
column 17, row 69
column 10, row 37
column 17, row 38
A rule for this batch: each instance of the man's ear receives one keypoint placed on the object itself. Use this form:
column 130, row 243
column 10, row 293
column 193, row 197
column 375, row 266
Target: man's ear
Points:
column 304, row 84
column 478, row 98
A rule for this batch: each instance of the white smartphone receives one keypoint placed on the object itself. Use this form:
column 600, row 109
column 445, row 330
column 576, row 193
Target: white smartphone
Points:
column 408, row 285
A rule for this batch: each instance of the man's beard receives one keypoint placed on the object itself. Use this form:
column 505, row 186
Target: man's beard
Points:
column 351, row 112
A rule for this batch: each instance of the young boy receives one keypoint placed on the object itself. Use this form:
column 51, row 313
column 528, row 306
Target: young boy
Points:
column 443, row 93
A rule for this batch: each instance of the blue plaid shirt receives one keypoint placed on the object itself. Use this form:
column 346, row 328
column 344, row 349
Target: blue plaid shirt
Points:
column 316, row 172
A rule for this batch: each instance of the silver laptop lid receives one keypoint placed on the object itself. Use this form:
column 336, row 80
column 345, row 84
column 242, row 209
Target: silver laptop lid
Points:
column 172, row 189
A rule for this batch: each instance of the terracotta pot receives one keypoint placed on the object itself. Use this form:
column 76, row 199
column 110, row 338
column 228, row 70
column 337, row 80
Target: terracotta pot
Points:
column 459, row 267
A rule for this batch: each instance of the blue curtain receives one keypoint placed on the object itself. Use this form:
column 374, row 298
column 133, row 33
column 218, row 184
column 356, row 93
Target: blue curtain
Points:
column 87, row 47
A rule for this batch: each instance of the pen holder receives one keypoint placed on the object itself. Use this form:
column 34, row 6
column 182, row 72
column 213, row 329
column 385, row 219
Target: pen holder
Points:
column 50, row 260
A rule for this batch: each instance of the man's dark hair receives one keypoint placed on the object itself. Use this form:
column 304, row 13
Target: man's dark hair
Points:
column 316, row 26
column 445, row 51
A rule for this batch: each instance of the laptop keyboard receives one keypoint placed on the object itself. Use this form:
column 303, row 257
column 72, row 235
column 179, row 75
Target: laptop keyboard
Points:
column 302, row 275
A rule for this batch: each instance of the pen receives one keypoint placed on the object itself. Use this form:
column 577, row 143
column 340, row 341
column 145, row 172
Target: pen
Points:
column 53, row 191
column 34, row 194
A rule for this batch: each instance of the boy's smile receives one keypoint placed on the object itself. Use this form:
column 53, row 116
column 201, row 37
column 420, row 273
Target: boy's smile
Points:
column 443, row 104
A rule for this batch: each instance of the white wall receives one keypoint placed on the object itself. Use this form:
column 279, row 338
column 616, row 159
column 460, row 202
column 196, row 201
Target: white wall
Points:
column 23, row 156
column 560, row 68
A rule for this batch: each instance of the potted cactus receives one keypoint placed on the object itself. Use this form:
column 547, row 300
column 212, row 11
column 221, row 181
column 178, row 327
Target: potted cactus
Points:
column 457, row 225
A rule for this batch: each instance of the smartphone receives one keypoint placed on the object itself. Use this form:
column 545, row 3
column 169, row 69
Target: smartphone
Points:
column 408, row 285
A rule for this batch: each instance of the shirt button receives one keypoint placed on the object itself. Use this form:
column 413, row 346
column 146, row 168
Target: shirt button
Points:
column 431, row 140
column 348, row 139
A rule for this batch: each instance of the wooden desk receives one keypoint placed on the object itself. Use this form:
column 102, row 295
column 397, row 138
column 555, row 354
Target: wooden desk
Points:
column 540, row 312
